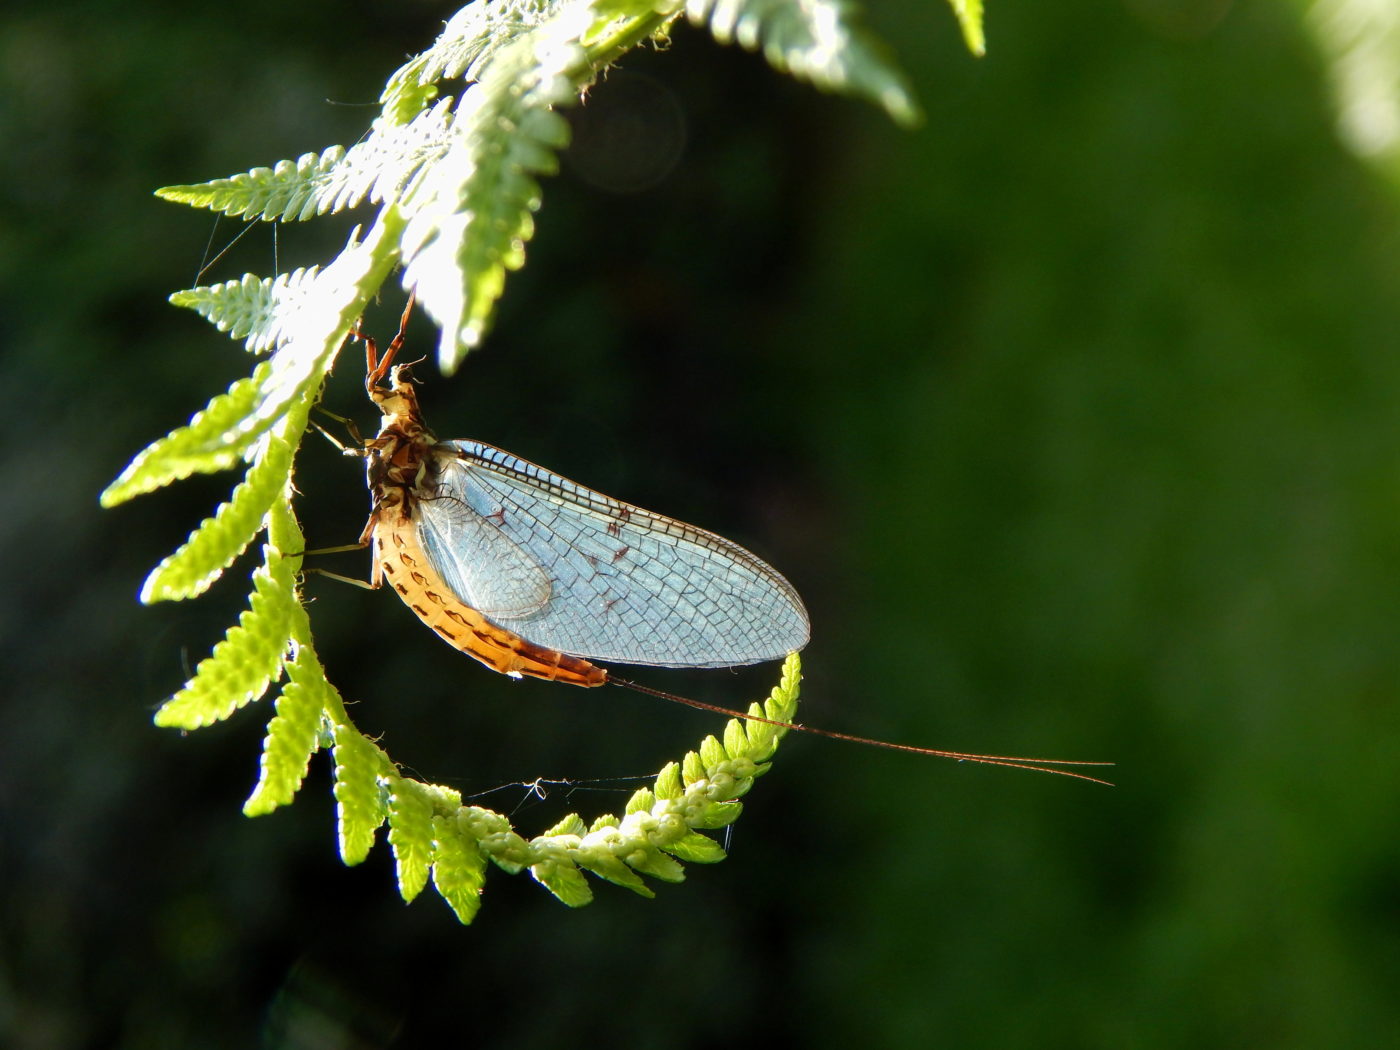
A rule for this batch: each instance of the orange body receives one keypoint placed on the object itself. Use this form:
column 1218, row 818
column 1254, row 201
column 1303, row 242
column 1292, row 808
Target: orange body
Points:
column 400, row 560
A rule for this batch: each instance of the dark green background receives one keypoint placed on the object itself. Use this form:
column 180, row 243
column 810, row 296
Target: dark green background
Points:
column 1072, row 414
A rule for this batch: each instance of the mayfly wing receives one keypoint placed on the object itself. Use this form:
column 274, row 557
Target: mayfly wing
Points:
column 622, row 584
column 507, row 581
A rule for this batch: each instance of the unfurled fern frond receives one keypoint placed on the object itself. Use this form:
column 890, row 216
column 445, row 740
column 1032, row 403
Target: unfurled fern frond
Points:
column 969, row 14
column 285, row 192
column 243, row 665
column 459, row 867
column 360, row 770
column 410, row 834
column 381, row 168
column 455, row 183
column 213, row 546
column 377, row 169
column 820, row 41
column 470, row 37
column 311, row 327
column 252, row 309
column 294, row 734
column 210, row 443
column 474, row 212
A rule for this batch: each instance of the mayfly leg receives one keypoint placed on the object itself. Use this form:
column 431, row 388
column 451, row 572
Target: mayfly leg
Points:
column 365, row 540
column 362, row 584
column 349, row 424
column 343, row 548
column 376, row 367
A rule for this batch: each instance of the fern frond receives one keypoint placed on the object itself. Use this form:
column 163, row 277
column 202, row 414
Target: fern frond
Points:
column 253, row 308
column 361, row 807
column 470, row 37
column 311, row 327
column 735, row 739
column 293, row 735
column 251, row 655
column 714, row 815
column 410, row 834
column 415, row 812
column 284, row 532
column 220, row 539
column 781, row 706
column 209, row 443
column 712, row 754
column 474, row 210
column 595, row 853
column 641, row 802
column 309, row 707
column 495, row 837
column 969, row 15
column 692, row 769
column 647, row 859
column 381, row 167
column 660, row 827
column 668, row 782
column 459, row 868
column 820, row 41
column 334, row 180
column 284, row 192
column 694, row 848
column 556, row 871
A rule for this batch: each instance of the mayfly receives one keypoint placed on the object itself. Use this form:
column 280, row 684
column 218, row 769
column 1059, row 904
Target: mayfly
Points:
column 535, row 575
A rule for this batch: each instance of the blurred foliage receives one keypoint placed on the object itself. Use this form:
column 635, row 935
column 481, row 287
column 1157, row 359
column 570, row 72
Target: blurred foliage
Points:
column 1093, row 452
column 1361, row 42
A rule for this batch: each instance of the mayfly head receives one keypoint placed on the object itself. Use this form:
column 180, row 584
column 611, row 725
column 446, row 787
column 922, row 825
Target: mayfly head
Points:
column 398, row 399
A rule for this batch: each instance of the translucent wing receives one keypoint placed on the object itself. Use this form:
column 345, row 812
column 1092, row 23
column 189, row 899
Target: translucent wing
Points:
column 574, row 570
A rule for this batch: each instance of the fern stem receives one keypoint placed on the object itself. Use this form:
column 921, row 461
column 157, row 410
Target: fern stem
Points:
column 607, row 50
